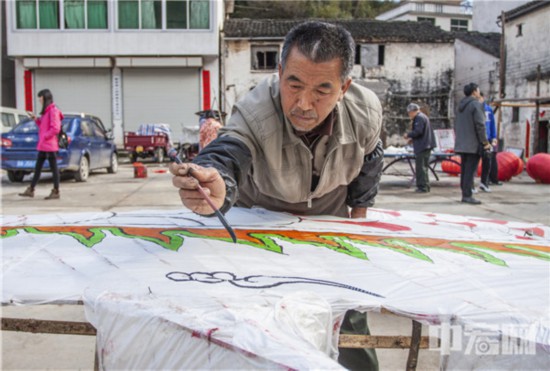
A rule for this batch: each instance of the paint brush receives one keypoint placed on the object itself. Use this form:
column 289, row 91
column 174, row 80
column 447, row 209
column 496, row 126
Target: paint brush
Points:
column 173, row 155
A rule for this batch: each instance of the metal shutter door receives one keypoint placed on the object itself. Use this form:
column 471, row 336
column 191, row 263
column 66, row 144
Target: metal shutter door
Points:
column 77, row 90
column 161, row 95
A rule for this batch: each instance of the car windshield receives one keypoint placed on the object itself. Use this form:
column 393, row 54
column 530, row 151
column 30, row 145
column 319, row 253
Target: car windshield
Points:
column 29, row 126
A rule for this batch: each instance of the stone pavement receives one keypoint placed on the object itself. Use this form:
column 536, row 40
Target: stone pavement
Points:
column 520, row 199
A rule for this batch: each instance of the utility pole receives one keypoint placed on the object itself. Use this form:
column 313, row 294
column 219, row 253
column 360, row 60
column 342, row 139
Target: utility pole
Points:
column 537, row 112
column 502, row 74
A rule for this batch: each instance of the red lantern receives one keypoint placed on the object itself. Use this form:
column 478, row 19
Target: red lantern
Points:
column 520, row 165
column 507, row 165
column 538, row 168
column 450, row 167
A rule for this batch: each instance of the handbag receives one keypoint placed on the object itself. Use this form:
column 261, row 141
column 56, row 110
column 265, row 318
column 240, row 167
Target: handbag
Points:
column 62, row 139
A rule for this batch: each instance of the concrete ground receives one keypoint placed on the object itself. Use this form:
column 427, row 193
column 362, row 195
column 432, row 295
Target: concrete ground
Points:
column 521, row 199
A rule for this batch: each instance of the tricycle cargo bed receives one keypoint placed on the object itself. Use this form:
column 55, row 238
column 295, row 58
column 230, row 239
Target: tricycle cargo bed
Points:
column 133, row 140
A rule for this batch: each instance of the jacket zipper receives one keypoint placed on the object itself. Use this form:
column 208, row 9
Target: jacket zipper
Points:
column 310, row 194
column 310, row 197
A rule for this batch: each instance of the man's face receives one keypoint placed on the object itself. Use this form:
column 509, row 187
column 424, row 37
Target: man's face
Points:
column 412, row 114
column 476, row 94
column 310, row 91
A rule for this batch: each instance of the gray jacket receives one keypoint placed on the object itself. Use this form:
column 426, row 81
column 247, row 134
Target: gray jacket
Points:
column 470, row 131
column 274, row 169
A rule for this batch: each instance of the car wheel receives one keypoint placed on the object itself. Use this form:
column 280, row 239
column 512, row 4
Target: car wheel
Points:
column 16, row 176
column 159, row 154
column 114, row 164
column 81, row 175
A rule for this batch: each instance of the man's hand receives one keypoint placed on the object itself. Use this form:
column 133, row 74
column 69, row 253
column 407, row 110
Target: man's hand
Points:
column 487, row 146
column 186, row 179
column 358, row 212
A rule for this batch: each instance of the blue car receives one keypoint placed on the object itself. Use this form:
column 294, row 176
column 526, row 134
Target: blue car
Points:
column 90, row 147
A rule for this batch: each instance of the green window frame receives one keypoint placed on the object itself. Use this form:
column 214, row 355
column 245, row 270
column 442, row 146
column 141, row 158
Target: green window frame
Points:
column 34, row 14
column 76, row 14
column 85, row 14
column 459, row 25
column 163, row 14
column 426, row 19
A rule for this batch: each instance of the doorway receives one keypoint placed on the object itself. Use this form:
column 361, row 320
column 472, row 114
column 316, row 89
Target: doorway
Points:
column 542, row 140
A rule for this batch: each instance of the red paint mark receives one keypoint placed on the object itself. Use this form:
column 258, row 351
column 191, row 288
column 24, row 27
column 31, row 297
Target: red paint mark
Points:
column 390, row 212
column 501, row 222
column 210, row 332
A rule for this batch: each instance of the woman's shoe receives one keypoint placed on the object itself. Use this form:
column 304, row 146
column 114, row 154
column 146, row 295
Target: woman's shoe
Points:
column 29, row 192
column 54, row 195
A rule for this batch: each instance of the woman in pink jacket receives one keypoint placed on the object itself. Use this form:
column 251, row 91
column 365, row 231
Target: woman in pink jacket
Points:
column 49, row 126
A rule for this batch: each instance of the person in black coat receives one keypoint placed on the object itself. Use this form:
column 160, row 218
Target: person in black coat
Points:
column 471, row 139
column 423, row 139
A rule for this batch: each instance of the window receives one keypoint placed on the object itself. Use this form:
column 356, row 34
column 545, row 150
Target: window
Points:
column 357, row 54
column 418, row 62
column 265, row 57
column 86, row 129
column 139, row 14
column 98, row 131
column 426, row 19
column 163, row 14
column 46, row 14
column 515, row 114
column 381, row 52
column 439, row 8
column 87, row 14
column 519, row 30
column 35, row 14
column 419, row 7
column 8, row 120
column 459, row 25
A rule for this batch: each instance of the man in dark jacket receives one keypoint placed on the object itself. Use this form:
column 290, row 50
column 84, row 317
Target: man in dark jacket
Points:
column 471, row 139
column 305, row 141
column 423, row 139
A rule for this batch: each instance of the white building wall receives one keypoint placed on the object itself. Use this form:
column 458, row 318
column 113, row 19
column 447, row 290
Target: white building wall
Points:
column 112, row 42
column 474, row 65
column 523, row 55
column 442, row 12
column 400, row 59
column 239, row 76
column 486, row 12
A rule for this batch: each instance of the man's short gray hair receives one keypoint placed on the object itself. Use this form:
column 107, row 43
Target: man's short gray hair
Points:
column 413, row 107
column 321, row 42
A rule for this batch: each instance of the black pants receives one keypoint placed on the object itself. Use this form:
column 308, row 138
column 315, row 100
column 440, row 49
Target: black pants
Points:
column 422, row 160
column 468, row 169
column 51, row 157
column 489, row 168
column 355, row 323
